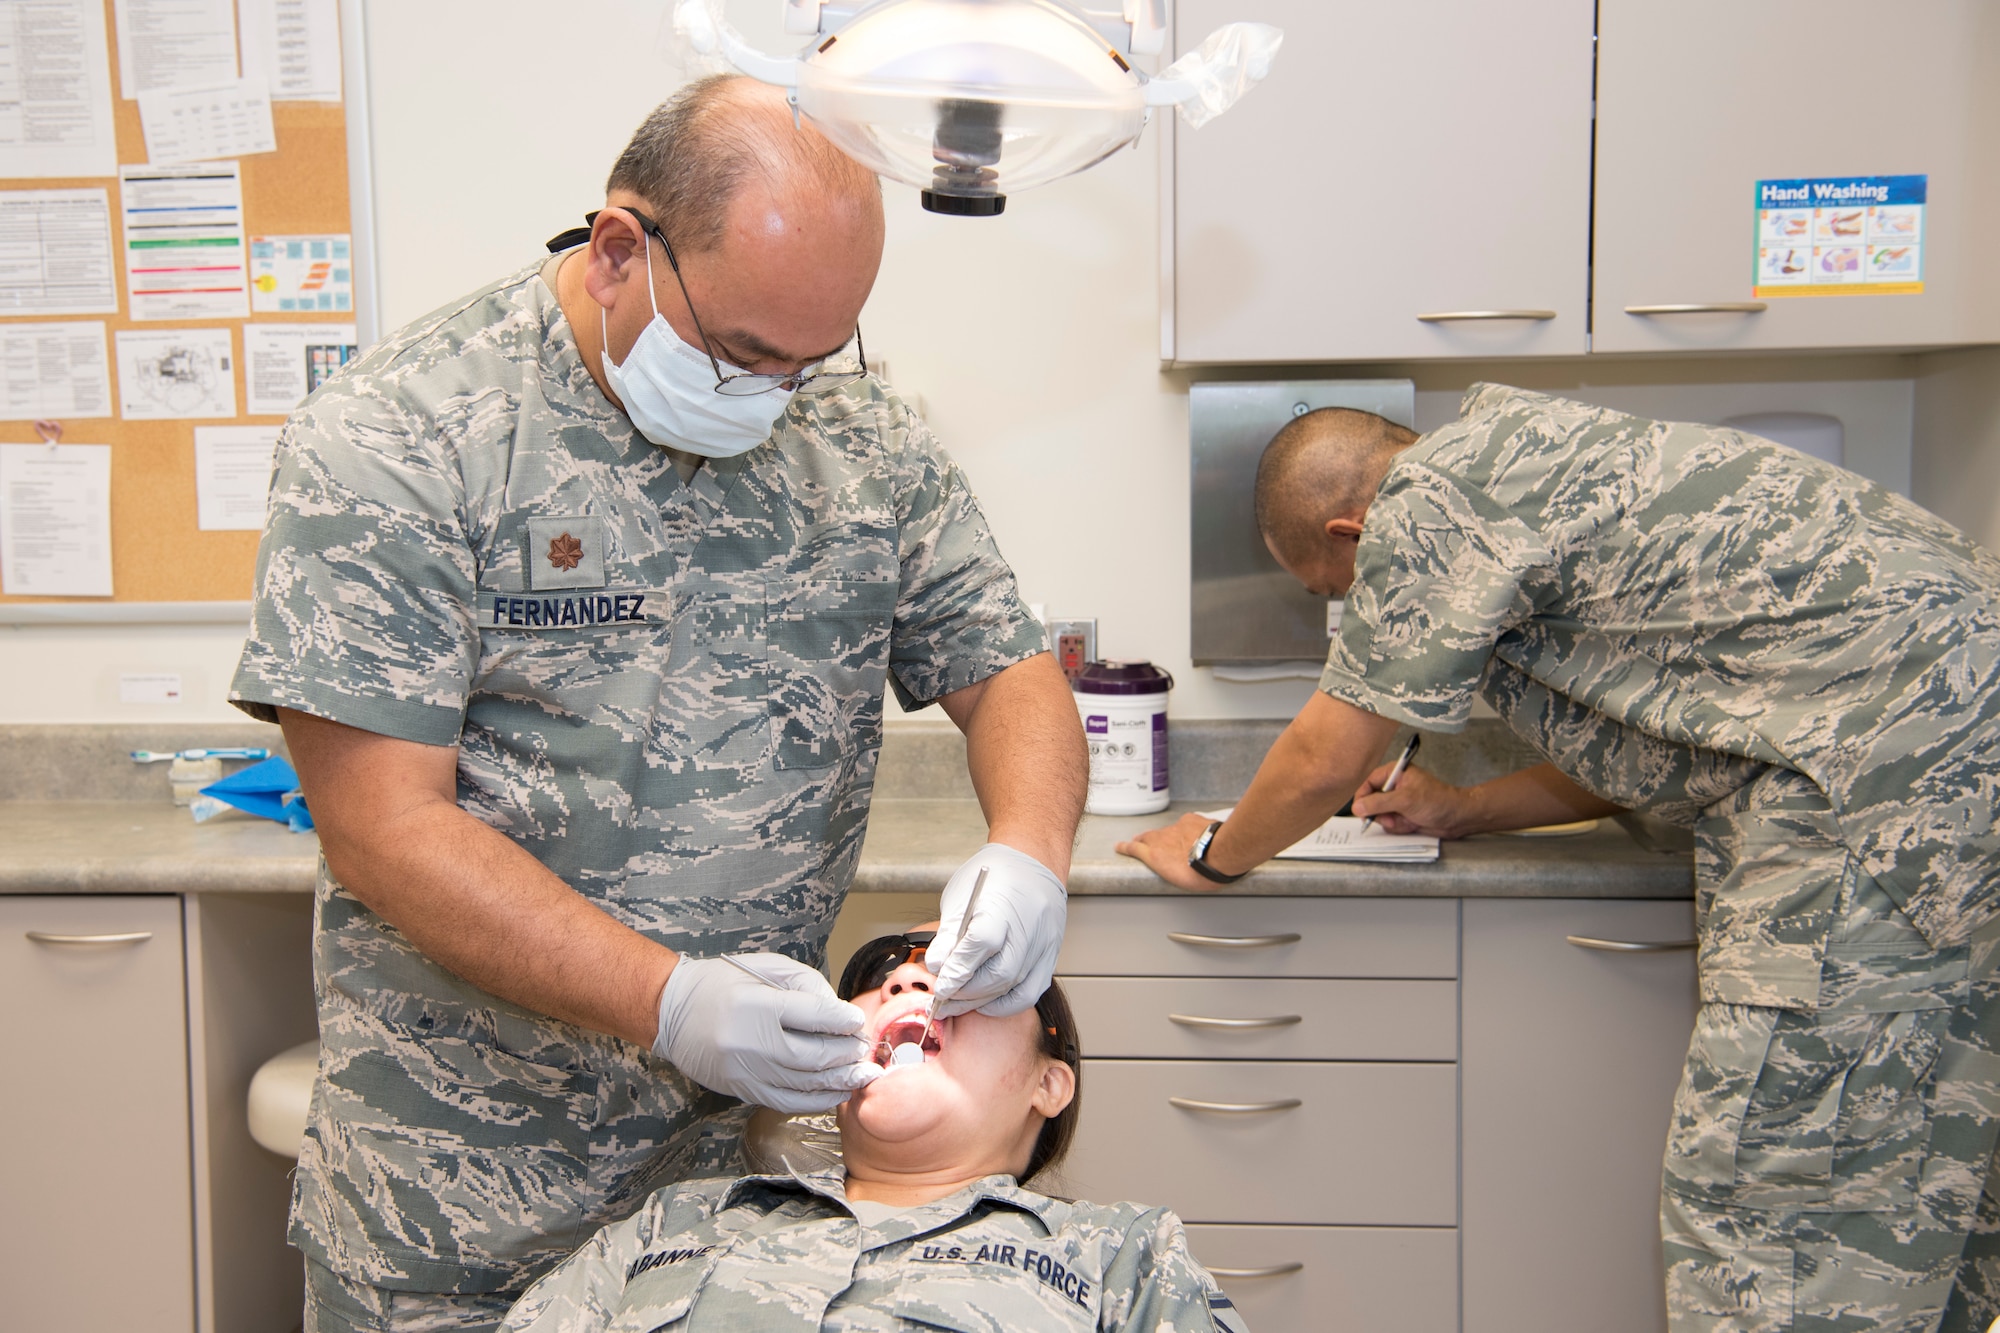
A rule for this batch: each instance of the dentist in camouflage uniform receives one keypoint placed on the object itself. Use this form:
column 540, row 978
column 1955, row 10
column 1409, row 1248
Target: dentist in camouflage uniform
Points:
column 577, row 601
column 1798, row 664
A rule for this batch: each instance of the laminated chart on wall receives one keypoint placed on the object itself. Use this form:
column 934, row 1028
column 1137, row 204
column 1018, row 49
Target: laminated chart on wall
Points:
column 1840, row 236
column 174, row 44
column 55, row 253
column 299, row 274
column 55, row 91
column 184, row 241
column 232, row 476
column 55, row 519
column 176, row 374
column 214, row 121
column 54, row 370
column 282, row 363
column 294, row 45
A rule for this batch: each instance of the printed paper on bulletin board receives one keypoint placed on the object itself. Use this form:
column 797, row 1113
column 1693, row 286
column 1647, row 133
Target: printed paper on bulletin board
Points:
column 159, row 552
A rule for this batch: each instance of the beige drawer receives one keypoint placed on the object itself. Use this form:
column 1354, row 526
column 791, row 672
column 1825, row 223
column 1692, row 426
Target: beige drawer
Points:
column 1367, row 1144
column 1379, row 1279
column 1256, row 1018
column 1261, row 937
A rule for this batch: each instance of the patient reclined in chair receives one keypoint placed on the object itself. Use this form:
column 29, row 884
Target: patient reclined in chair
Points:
column 920, row 1221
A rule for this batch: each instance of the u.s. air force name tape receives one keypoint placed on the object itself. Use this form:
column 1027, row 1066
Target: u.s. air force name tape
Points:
column 573, row 610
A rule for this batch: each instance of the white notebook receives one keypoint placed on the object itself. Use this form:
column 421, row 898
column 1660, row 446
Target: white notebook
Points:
column 1343, row 839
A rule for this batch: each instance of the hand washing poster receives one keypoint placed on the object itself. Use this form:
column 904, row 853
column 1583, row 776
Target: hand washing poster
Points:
column 1840, row 236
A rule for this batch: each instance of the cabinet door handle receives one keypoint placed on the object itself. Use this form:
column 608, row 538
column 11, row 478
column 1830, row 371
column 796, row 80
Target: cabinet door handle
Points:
column 1275, row 1270
column 1235, row 1108
column 1234, row 941
column 125, row 937
column 1454, row 316
column 1701, row 308
column 1631, row 946
column 1235, row 1024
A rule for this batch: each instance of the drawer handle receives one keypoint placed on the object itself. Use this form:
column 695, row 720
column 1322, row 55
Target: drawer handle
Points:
column 1236, row 1108
column 126, row 937
column 1235, row 1024
column 1631, row 946
column 1275, row 1270
column 1234, row 941
column 1454, row 316
column 1701, row 308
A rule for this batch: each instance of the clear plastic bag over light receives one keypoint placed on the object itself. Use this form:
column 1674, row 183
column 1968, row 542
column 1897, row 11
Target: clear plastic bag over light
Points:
column 971, row 99
column 1211, row 78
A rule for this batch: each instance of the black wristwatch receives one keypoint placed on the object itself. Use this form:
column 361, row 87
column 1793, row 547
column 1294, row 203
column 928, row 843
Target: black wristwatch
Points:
column 1198, row 858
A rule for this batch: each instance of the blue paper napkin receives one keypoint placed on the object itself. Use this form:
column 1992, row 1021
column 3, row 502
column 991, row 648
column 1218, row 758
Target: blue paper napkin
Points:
column 269, row 790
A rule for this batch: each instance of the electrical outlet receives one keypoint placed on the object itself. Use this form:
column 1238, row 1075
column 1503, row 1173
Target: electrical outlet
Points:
column 1075, row 643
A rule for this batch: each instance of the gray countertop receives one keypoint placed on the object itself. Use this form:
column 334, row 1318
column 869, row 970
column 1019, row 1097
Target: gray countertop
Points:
column 77, row 816
column 913, row 846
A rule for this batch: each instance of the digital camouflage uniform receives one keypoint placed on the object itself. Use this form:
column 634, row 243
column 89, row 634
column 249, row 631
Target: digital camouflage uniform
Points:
column 772, row 1254
column 670, row 694
column 1806, row 669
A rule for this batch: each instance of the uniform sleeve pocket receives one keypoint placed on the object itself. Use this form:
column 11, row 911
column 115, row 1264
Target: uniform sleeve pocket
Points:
column 829, row 654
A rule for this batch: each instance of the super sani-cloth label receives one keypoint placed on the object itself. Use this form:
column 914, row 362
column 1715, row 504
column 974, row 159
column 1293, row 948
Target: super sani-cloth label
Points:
column 1127, row 754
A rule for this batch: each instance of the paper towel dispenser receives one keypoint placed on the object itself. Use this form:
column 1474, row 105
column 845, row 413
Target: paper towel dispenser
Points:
column 1246, row 610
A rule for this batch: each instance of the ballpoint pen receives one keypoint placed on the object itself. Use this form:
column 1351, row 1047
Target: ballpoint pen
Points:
column 1389, row 783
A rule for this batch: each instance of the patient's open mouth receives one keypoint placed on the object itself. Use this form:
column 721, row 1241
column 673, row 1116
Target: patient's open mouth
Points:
column 912, row 1029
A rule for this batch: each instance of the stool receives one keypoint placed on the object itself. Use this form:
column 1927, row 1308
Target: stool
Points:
column 280, row 1093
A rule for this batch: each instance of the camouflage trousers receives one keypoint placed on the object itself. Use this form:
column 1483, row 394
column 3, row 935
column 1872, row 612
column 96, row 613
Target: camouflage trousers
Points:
column 1830, row 1164
column 336, row 1304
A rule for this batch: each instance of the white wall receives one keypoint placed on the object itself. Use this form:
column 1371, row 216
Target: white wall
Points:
column 1031, row 338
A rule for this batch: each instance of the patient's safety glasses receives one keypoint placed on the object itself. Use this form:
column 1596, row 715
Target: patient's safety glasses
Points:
column 874, row 961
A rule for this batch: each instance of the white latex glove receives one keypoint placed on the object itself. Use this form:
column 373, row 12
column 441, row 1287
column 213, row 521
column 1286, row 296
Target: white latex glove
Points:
column 1000, row 961
column 791, row 1044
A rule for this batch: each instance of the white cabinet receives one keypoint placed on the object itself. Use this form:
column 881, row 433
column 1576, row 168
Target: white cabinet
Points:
column 1701, row 99
column 1403, row 160
column 96, row 1227
column 1571, row 1057
column 1587, row 171
column 1279, row 1071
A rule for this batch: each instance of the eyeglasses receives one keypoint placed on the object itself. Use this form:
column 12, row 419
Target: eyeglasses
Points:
column 743, row 384
column 874, row 961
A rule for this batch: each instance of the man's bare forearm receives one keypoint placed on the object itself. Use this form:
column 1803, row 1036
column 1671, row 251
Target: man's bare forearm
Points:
column 1529, row 798
column 1025, row 750
column 465, row 894
column 1310, row 772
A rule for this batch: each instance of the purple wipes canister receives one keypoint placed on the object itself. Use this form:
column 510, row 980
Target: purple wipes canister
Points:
column 1124, row 711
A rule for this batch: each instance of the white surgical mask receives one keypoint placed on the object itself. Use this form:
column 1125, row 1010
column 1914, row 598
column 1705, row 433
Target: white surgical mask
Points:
column 668, row 389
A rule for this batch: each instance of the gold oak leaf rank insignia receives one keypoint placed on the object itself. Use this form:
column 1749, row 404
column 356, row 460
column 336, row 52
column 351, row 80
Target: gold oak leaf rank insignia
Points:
column 565, row 552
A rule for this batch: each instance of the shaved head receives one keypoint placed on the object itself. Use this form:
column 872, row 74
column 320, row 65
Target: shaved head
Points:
column 1324, row 465
column 702, row 147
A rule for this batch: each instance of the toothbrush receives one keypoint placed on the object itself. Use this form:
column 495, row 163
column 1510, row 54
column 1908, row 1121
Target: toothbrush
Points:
column 219, row 752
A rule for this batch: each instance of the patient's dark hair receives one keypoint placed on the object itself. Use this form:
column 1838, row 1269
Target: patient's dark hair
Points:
column 1058, row 1033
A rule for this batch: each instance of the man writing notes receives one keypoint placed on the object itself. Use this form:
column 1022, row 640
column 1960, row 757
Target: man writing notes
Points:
column 1800, row 665
column 576, row 601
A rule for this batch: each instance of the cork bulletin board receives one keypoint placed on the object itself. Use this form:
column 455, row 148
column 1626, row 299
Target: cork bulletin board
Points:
column 306, row 188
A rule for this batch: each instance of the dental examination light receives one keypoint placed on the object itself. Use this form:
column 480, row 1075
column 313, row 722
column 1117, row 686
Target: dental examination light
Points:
column 970, row 100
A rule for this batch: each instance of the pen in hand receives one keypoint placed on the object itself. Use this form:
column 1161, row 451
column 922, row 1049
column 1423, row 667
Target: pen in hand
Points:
column 1389, row 783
